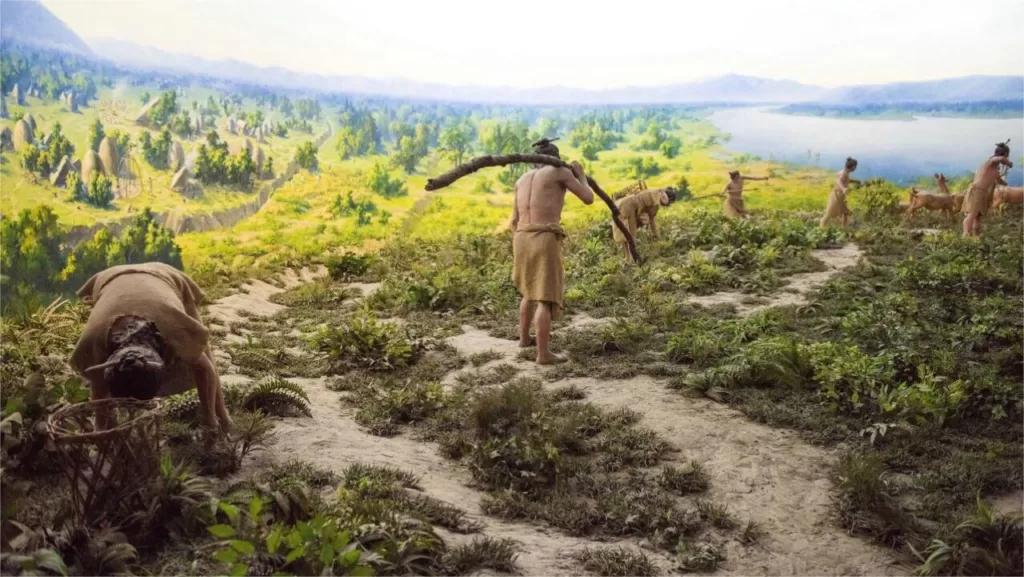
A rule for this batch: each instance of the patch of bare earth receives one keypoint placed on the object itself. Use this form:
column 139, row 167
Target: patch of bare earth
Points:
column 795, row 292
column 764, row 474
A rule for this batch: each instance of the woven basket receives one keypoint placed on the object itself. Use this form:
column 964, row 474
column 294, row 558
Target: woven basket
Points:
column 106, row 466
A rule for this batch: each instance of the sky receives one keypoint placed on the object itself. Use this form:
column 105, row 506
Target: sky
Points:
column 586, row 44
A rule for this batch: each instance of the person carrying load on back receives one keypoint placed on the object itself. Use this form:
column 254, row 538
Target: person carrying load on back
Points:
column 733, row 191
column 635, row 207
column 538, row 271
column 145, row 339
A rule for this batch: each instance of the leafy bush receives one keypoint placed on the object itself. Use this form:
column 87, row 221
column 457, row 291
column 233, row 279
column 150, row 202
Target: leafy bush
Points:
column 365, row 342
column 306, row 156
column 101, row 190
column 380, row 182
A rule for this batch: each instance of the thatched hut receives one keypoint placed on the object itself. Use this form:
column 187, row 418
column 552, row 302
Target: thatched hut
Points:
column 175, row 156
column 180, row 181
column 230, row 125
column 258, row 159
column 18, row 95
column 244, row 145
column 22, row 135
column 31, row 120
column 6, row 139
column 108, row 156
column 240, row 126
column 90, row 163
column 60, row 174
column 142, row 118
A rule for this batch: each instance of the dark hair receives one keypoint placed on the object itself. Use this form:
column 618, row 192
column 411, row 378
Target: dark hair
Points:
column 546, row 148
column 138, row 354
column 138, row 373
column 851, row 163
column 734, row 173
column 671, row 194
column 1002, row 149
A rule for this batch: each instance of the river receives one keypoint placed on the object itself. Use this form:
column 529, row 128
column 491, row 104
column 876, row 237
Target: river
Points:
column 898, row 150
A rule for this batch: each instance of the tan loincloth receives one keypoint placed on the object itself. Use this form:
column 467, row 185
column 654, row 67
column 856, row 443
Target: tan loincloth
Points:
column 733, row 208
column 154, row 291
column 632, row 211
column 978, row 199
column 537, row 268
column 836, row 207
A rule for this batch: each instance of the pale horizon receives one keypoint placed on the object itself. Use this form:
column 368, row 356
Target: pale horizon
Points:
column 542, row 45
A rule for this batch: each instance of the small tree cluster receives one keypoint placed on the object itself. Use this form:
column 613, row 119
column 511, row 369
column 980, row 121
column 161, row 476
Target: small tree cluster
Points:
column 380, row 182
column 41, row 159
column 363, row 209
column 156, row 151
column 101, row 190
column 165, row 107
column 306, row 156
column 215, row 166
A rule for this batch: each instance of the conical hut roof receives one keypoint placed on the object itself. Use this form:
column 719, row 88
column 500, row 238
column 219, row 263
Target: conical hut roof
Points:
column 175, row 156
column 108, row 155
column 90, row 163
column 229, row 125
column 60, row 175
column 31, row 120
column 22, row 134
column 180, row 181
column 244, row 145
column 17, row 94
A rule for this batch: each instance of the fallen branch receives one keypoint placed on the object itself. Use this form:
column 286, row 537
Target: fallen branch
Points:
column 482, row 162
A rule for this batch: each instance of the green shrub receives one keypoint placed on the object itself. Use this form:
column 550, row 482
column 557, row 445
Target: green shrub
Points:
column 365, row 342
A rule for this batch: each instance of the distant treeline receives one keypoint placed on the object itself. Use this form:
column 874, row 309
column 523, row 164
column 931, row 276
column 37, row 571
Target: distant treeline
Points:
column 978, row 108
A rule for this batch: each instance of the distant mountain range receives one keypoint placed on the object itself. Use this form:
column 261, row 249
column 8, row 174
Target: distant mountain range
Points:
column 29, row 22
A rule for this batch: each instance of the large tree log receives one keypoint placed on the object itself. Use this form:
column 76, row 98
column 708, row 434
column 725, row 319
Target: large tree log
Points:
column 482, row 162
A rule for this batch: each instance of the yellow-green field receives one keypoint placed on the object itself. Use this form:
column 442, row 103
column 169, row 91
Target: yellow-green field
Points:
column 117, row 109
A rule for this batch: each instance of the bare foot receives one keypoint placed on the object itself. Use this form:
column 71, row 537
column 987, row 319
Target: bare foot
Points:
column 551, row 360
column 532, row 341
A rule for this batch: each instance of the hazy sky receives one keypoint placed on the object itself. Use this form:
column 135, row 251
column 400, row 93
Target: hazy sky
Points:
column 589, row 44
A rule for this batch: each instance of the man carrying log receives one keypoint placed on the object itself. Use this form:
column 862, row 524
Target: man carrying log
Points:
column 144, row 339
column 837, row 207
column 733, row 192
column 635, row 207
column 537, row 269
column 979, row 194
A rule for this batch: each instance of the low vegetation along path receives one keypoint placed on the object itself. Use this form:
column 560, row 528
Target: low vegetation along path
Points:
column 764, row 474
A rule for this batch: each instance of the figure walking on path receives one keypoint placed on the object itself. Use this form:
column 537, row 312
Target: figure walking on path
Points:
column 979, row 194
column 537, row 270
column 837, row 207
column 733, row 192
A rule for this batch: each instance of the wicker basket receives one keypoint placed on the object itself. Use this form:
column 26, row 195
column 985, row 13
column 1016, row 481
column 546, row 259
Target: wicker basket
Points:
column 106, row 466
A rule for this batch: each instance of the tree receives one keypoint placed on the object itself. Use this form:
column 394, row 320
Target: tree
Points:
column 268, row 169
column 95, row 135
column 101, row 190
column 164, row 109
column 455, row 143
column 306, row 156
column 74, row 186
column 58, row 148
column 406, row 154
column 380, row 182
column 31, row 259
column 589, row 150
column 145, row 98
column 156, row 151
column 670, row 147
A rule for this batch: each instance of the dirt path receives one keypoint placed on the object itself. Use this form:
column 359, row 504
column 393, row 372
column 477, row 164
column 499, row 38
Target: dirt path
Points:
column 795, row 292
column 764, row 474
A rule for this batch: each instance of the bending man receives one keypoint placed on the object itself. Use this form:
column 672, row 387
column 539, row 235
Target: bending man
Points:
column 537, row 247
column 837, row 207
column 144, row 338
column 733, row 207
column 979, row 194
column 635, row 207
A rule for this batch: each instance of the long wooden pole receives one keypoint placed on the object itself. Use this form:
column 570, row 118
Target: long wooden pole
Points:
column 488, row 161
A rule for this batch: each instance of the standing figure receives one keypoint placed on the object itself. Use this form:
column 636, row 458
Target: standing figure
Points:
column 537, row 269
column 837, row 207
column 733, row 192
column 979, row 194
column 144, row 339
column 634, row 208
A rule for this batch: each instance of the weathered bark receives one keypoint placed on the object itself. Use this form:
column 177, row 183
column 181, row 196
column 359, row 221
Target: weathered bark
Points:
column 482, row 162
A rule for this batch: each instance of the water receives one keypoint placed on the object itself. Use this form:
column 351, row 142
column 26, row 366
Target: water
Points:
column 898, row 150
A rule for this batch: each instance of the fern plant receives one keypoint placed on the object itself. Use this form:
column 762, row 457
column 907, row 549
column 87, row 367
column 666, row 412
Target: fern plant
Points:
column 278, row 397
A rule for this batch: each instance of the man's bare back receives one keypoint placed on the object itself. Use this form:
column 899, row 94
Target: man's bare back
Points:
column 540, row 194
column 988, row 174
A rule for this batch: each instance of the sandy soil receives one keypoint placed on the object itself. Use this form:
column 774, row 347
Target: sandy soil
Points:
column 763, row 474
